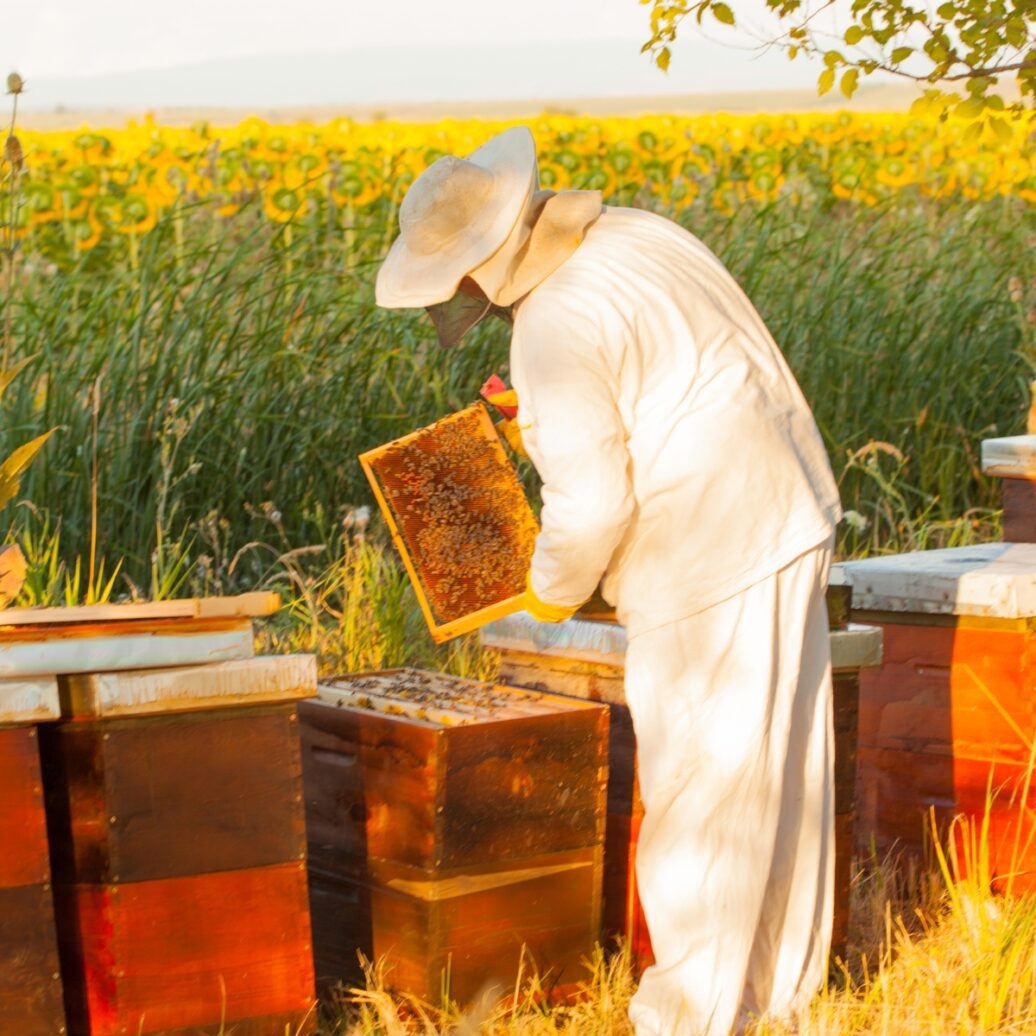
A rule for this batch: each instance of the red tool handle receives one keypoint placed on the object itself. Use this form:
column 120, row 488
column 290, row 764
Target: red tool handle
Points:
column 493, row 386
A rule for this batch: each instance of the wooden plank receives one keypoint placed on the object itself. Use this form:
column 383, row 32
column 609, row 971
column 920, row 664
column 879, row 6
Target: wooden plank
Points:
column 161, row 797
column 964, row 690
column 839, row 601
column 182, row 953
column 241, row 606
column 23, row 828
column 997, row 580
column 218, row 685
column 125, row 651
column 31, row 700
column 845, row 830
column 1019, row 500
column 1012, row 456
column 370, row 786
column 524, row 786
column 894, row 792
column 590, row 681
column 548, row 918
column 30, row 981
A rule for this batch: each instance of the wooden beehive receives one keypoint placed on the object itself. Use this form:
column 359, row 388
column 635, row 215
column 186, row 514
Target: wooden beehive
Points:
column 1013, row 459
column 30, row 981
column 459, row 518
column 951, row 714
column 453, row 826
column 585, row 659
column 174, row 811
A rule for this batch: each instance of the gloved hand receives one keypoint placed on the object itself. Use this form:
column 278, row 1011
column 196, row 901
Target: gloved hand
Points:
column 543, row 612
column 509, row 427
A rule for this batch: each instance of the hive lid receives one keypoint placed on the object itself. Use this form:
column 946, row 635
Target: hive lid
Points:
column 459, row 519
column 218, row 685
column 995, row 580
column 437, row 700
column 588, row 640
column 1010, row 457
column 31, row 700
column 585, row 639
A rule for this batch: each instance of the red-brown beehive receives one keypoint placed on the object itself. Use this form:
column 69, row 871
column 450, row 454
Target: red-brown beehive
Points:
column 950, row 717
column 30, row 983
column 174, row 816
column 455, row 830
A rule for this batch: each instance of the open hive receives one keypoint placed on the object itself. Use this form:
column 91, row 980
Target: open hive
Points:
column 459, row 517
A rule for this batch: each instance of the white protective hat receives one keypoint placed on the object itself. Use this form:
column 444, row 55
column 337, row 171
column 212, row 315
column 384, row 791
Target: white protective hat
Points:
column 457, row 213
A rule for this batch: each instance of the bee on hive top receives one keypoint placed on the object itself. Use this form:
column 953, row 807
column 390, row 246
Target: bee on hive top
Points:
column 681, row 465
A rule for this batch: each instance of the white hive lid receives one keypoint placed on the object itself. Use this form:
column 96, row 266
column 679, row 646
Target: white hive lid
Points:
column 1011, row 457
column 995, row 580
column 30, row 700
column 588, row 640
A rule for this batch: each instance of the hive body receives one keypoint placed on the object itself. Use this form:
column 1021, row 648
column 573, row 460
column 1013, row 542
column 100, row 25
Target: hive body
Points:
column 450, row 824
column 951, row 714
column 30, row 983
column 177, row 844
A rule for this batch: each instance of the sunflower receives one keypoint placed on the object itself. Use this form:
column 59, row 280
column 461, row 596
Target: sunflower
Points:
column 282, row 204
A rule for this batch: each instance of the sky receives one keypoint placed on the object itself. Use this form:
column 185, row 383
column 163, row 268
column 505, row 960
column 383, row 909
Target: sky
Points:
column 86, row 49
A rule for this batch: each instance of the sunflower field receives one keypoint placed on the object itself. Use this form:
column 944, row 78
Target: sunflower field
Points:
column 198, row 306
column 82, row 187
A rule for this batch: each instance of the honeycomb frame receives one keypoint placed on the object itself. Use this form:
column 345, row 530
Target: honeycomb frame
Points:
column 481, row 450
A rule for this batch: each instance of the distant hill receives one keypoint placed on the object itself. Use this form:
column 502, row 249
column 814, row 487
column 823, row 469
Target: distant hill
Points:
column 425, row 82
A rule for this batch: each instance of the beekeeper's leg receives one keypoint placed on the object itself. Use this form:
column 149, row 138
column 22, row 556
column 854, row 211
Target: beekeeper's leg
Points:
column 732, row 711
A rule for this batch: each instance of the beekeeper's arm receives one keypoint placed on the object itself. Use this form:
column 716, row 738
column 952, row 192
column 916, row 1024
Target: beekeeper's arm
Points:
column 566, row 377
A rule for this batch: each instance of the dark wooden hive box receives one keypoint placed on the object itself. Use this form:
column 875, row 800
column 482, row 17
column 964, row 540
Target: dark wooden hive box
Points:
column 452, row 823
column 178, row 851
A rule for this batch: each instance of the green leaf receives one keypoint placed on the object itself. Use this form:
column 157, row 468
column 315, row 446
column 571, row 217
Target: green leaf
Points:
column 17, row 461
column 947, row 11
column 1001, row 128
column 972, row 108
column 900, row 54
column 853, row 35
column 662, row 59
column 849, row 81
column 973, row 133
column 723, row 14
column 826, row 81
column 7, row 376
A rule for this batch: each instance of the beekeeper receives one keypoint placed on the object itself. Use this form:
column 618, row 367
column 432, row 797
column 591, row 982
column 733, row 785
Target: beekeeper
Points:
column 681, row 464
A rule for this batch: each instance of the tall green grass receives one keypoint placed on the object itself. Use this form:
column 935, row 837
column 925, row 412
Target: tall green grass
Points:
column 229, row 370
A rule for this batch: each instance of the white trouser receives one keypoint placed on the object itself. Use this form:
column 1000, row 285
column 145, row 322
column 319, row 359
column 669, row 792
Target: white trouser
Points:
column 732, row 712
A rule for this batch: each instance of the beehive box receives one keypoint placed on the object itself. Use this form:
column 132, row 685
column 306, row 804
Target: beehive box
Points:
column 174, row 811
column 459, row 518
column 586, row 657
column 452, row 824
column 952, row 711
column 30, row 981
column 1013, row 459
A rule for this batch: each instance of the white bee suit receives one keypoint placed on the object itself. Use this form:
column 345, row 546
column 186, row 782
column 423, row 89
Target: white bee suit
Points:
column 681, row 463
